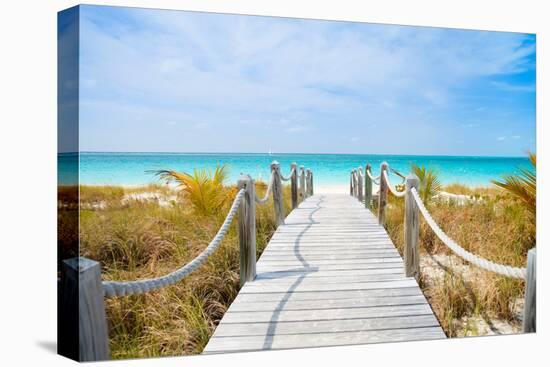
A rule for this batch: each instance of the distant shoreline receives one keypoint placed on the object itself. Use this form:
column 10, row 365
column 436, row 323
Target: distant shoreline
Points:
column 137, row 169
column 274, row 154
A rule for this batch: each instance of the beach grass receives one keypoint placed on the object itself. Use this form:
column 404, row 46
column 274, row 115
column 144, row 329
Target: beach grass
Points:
column 494, row 227
column 133, row 237
column 149, row 231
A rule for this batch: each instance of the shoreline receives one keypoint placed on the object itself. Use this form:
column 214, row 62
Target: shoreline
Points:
column 318, row 188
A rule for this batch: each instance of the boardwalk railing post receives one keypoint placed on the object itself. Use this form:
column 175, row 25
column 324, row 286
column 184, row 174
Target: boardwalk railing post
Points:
column 368, row 188
column 359, row 184
column 351, row 183
column 382, row 196
column 294, row 185
column 354, row 175
column 247, row 230
column 302, row 183
column 412, row 226
column 530, row 307
column 83, row 276
column 308, row 181
column 277, row 193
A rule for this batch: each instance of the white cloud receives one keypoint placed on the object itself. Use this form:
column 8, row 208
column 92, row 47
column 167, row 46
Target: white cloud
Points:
column 516, row 137
column 277, row 74
column 529, row 88
column 501, row 138
column 297, row 129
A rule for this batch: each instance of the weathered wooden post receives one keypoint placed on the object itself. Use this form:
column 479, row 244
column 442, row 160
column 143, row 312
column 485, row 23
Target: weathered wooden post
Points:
column 302, row 183
column 383, row 195
column 412, row 226
column 359, row 184
column 530, row 307
column 308, row 180
column 310, row 183
column 354, row 175
column 368, row 188
column 294, row 185
column 277, row 193
column 82, row 277
column 351, row 183
column 247, row 230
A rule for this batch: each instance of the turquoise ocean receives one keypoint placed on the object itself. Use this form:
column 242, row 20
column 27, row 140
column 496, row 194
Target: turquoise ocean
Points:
column 328, row 169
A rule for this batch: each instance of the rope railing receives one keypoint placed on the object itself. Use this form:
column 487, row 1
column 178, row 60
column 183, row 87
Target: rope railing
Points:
column 376, row 179
column 396, row 172
column 391, row 187
column 289, row 177
column 411, row 253
column 505, row 270
column 81, row 277
column 267, row 192
column 112, row 288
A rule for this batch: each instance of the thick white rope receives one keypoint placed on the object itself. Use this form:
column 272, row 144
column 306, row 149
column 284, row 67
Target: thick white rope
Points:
column 289, row 176
column 267, row 192
column 113, row 289
column 396, row 193
column 374, row 179
column 505, row 270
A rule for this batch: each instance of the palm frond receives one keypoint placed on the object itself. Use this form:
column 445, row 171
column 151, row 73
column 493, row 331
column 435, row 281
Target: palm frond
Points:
column 430, row 185
column 204, row 189
column 522, row 186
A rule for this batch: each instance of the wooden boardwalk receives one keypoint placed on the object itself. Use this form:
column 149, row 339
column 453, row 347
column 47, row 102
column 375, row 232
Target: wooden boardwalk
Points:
column 329, row 276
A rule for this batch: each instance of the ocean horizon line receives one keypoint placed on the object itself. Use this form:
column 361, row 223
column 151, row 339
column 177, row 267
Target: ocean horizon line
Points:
column 296, row 153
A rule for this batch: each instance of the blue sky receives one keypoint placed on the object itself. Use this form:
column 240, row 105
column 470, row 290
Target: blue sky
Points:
column 173, row 81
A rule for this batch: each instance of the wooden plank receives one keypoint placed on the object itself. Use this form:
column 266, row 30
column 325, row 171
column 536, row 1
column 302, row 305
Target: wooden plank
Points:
column 319, row 263
column 326, row 304
column 329, row 314
column 317, row 256
column 321, row 268
column 328, row 326
column 329, row 276
column 304, row 279
column 328, row 295
column 273, row 287
column 250, row 343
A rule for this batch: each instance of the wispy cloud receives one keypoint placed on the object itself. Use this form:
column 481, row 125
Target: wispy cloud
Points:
column 529, row 88
column 297, row 129
column 292, row 75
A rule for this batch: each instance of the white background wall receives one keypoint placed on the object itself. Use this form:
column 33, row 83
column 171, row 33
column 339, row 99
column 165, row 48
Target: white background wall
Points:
column 28, row 179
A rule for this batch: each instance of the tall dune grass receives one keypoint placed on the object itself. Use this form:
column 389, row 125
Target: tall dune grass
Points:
column 142, row 239
column 496, row 227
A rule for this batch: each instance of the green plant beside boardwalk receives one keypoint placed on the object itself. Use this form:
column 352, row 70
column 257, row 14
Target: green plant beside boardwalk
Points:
column 494, row 223
column 138, row 233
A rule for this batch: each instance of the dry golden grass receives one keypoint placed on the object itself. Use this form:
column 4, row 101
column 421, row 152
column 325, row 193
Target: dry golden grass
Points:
column 142, row 239
column 496, row 228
